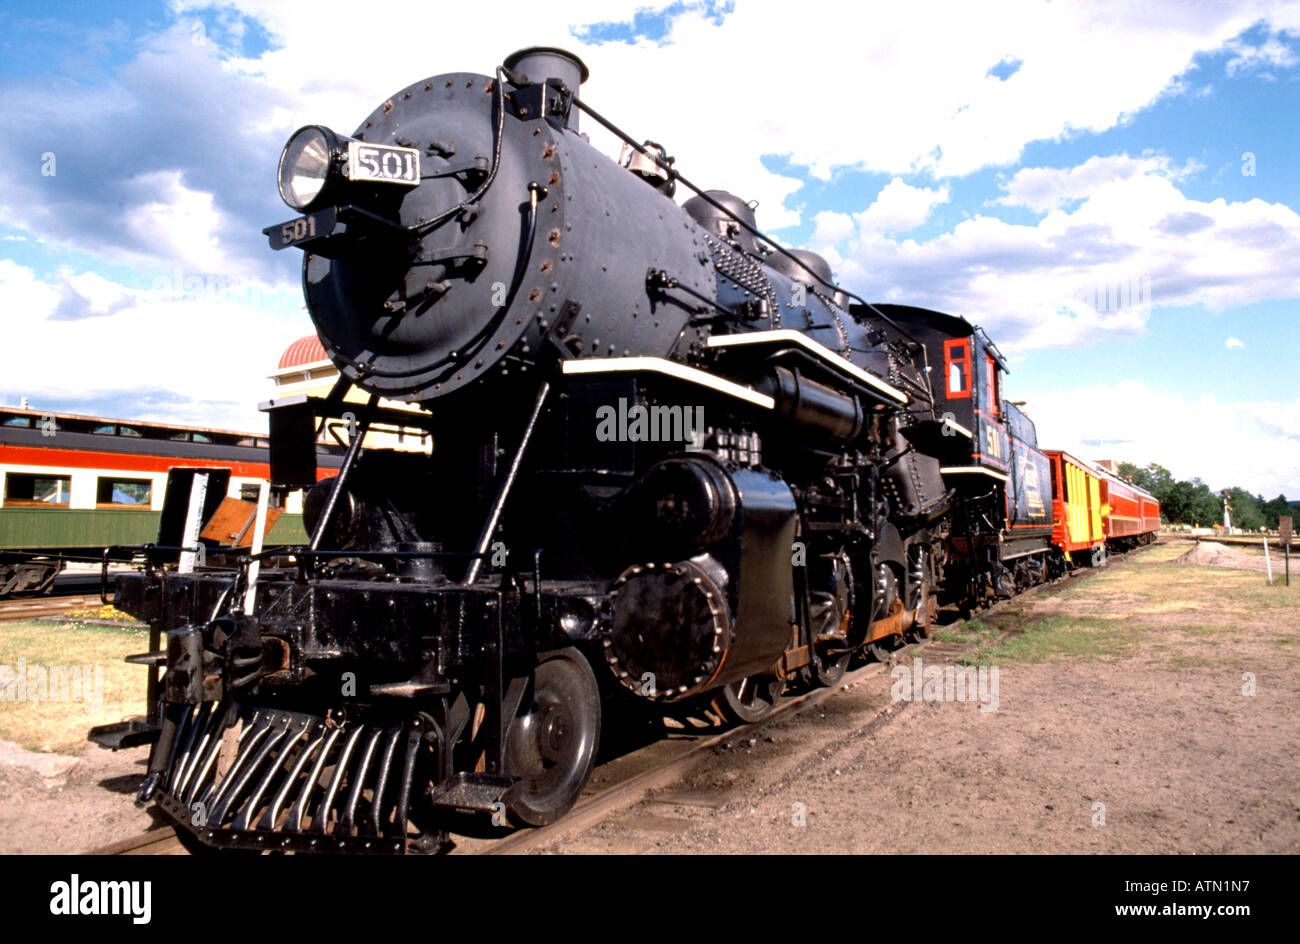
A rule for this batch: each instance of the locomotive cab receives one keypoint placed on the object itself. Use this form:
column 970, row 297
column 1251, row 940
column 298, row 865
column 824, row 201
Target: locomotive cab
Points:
column 1001, row 538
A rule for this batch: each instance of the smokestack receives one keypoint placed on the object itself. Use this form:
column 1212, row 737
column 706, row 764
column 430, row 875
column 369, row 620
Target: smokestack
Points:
column 536, row 64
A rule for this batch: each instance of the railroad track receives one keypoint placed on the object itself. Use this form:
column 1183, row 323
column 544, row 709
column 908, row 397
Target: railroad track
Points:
column 611, row 798
column 617, row 784
column 626, row 791
column 159, row 841
column 629, row 779
column 623, row 781
column 27, row 608
column 1255, row 541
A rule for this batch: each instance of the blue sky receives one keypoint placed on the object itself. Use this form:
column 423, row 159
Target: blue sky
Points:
column 1009, row 164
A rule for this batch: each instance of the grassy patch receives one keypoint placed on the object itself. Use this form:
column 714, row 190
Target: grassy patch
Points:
column 1188, row 662
column 1105, row 580
column 1177, row 615
column 74, row 678
column 1205, row 630
column 1161, row 553
column 1062, row 637
column 966, row 632
column 1255, row 591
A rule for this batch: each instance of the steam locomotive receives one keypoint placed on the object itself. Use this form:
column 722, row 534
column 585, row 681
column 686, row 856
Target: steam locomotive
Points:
column 672, row 464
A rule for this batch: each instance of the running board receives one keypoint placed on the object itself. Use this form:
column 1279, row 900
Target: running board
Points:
column 123, row 734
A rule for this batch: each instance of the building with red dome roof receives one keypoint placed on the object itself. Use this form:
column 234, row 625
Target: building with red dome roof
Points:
column 304, row 368
column 306, row 351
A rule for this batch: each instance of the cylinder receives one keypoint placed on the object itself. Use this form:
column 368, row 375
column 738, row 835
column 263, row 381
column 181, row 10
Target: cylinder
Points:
column 686, row 504
column 813, row 404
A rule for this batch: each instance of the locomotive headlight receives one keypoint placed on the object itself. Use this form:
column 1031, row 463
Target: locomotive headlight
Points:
column 305, row 165
column 318, row 163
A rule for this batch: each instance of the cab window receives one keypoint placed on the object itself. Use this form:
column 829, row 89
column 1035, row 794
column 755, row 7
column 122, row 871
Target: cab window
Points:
column 956, row 367
column 991, row 385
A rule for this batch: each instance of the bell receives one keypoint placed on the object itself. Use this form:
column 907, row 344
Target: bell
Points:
column 644, row 164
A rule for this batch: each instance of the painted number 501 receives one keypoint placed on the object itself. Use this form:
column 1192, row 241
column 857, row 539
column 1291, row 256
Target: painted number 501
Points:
column 298, row 229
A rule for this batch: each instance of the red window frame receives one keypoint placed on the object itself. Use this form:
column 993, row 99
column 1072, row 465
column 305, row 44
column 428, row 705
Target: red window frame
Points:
column 962, row 347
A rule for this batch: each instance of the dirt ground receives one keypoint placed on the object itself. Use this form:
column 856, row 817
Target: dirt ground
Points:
column 1181, row 761
column 1214, row 554
column 1121, row 727
column 50, row 803
column 1155, row 727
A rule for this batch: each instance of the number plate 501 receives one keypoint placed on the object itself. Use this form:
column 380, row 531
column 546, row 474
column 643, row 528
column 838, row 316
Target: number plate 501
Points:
column 383, row 163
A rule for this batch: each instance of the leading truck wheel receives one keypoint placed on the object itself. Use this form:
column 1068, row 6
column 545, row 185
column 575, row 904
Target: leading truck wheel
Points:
column 551, row 743
column 882, row 650
column 750, row 699
column 829, row 668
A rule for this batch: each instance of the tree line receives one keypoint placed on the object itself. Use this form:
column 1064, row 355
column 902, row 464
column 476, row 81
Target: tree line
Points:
column 1192, row 502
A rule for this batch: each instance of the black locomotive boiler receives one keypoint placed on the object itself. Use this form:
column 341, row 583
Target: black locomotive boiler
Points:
column 671, row 463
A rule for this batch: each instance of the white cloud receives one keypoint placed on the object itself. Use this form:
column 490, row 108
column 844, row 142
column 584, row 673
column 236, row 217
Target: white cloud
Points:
column 1270, row 53
column 1203, row 437
column 24, row 298
column 1050, row 188
column 1233, row 342
column 162, row 164
column 196, row 353
column 900, row 208
column 830, row 227
column 171, row 164
column 88, row 295
column 870, row 96
column 1134, row 241
column 178, row 223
